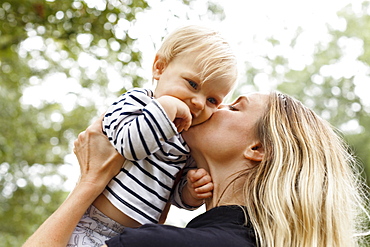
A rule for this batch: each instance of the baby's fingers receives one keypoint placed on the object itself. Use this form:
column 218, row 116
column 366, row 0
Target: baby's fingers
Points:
column 202, row 182
column 181, row 124
column 199, row 176
column 204, row 191
column 204, row 188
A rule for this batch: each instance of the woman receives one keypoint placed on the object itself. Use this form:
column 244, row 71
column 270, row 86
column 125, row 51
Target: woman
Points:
column 271, row 159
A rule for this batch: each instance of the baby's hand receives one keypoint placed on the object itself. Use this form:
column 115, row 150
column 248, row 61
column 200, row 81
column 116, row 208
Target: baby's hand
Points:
column 183, row 116
column 177, row 111
column 199, row 187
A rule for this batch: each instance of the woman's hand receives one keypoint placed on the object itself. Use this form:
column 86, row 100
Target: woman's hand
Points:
column 99, row 161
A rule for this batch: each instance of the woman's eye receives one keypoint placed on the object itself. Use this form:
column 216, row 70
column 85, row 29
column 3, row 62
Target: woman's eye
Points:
column 192, row 84
column 232, row 108
column 212, row 101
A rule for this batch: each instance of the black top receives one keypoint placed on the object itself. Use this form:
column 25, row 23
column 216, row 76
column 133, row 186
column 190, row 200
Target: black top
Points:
column 221, row 226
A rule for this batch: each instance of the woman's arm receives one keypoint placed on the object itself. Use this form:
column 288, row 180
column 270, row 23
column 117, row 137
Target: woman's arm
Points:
column 99, row 163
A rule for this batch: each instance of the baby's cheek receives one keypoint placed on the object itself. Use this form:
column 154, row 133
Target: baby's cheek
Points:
column 196, row 121
column 201, row 118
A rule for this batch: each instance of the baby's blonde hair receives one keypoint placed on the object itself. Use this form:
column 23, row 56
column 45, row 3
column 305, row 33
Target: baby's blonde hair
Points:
column 307, row 190
column 215, row 59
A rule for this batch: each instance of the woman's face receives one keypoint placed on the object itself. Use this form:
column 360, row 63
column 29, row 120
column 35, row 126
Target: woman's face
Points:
column 229, row 131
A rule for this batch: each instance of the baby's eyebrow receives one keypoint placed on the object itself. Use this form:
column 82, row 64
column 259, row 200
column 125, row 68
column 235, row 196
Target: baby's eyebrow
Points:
column 190, row 75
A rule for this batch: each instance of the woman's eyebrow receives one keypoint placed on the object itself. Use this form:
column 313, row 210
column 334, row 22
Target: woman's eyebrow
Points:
column 240, row 98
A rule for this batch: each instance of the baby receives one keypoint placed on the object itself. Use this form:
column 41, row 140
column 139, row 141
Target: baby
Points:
column 194, row 69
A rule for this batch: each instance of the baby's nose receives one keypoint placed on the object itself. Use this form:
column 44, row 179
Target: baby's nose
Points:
column 198, row 103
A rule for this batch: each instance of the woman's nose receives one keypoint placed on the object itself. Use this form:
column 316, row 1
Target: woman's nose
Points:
column 223, row 106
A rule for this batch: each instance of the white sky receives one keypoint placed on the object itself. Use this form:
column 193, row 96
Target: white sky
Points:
column 247, row 24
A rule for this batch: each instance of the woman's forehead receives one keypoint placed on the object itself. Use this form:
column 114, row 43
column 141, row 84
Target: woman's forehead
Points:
column 252, row 95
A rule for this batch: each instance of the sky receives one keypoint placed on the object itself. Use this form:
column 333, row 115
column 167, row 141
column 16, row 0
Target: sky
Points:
column 249, row 22
column 246, row 26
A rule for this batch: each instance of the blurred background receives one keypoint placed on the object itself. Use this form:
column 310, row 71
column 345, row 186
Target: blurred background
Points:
column 62, row 63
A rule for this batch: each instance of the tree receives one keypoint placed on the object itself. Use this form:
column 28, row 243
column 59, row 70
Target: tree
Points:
column 82, row 52
column 333, row 81
column 38, row 40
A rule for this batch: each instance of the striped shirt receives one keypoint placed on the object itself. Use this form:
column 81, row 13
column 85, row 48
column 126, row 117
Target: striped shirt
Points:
column 139, row 129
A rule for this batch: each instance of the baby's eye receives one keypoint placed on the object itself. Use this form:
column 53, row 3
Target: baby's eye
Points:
column 192, row 84
column 212, row 101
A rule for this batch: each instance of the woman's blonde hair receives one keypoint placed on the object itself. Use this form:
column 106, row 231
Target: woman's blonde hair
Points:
column 215, row 59
column 307, row 190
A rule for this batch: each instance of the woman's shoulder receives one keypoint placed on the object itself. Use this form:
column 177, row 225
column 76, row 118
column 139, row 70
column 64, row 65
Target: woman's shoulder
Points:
column 225, row 226
column 222, row 227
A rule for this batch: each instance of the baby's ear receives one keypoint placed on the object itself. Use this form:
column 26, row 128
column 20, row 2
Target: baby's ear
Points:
column 254, row 152
column 158, row 67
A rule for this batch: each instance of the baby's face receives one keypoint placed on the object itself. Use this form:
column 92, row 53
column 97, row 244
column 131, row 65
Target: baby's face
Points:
column 180, row 79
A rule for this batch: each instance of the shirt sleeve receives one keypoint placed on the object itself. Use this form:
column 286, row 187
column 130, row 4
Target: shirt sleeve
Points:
column 151, row 235
column 221, row 226
column 137, row 125
column 176, row 198
column 155, row 235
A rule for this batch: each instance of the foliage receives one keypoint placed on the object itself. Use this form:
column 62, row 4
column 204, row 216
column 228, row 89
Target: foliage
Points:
column 35, row 138
column 59, row 62
column 83, row 52
column 332, row 81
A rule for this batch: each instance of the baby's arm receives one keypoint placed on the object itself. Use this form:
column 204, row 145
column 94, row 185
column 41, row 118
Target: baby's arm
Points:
column 199, row 187
column 177, row 111
column 138, row 125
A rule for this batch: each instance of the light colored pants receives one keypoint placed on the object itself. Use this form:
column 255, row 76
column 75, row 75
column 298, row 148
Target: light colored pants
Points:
column 94, row 229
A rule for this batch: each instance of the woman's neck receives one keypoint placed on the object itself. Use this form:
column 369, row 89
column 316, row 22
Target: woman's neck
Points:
column 228, row 190
column 225, row 193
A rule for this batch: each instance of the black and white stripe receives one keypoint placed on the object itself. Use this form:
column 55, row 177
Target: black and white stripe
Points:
column 139, row 129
